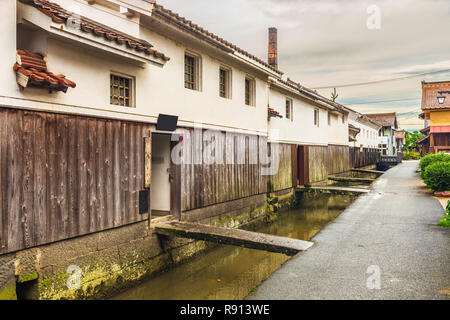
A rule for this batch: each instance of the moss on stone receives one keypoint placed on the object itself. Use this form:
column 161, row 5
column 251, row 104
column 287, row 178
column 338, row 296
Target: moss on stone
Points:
column 28, row 277
column 8, row 291
column 103, row 276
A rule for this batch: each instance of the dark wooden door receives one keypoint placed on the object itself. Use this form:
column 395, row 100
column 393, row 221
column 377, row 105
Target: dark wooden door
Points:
column 303, row 165
column 175, row 182
column 295, row 166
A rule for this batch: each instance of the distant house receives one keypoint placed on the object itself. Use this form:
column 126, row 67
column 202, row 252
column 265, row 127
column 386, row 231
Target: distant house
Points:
column 400, row 138
column 436, row 113
column 363, row 139
column 386, row 138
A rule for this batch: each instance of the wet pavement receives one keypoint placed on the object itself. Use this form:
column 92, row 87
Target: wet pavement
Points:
column 386, row 245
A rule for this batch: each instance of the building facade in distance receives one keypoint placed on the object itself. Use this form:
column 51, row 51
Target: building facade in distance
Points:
column 436, row 113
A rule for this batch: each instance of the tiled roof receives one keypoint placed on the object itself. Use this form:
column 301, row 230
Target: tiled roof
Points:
column 400, row 134
column 33, row 68
column 312, row 93
column 190, row 26
column 425, row 130
column 430, row 92
column 420, row 141
column 385, row 119
column 352, row 132
column 366, row 118
column 60, row 15
column 274, row 113
column 353, row 128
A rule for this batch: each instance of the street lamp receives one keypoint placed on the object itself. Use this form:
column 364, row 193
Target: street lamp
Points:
column 441, row 97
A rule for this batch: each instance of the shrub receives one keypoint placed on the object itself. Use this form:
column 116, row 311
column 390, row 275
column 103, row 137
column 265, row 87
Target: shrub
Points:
column 410, row 155
column 437, row 176
column 432, row 158
column 445, row 222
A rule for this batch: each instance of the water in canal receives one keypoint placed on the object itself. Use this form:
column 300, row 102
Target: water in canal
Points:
column 227, row 272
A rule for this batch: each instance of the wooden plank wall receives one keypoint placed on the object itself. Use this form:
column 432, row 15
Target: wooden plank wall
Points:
column 360, row 159
column 326, row 160
column 283, row 178
column 318, row 163
column 441, row 139
column 205, row 182
column 65, row 176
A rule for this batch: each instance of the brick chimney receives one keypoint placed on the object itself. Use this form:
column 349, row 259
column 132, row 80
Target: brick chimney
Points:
column 273, row 50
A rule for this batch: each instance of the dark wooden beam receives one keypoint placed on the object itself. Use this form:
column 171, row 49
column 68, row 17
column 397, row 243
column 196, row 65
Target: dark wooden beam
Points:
column 332, row 189
column 234, row 237
column 348, row 179
column 368, row 171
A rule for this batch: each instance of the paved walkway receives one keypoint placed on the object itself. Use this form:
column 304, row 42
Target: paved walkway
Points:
column 392, row 227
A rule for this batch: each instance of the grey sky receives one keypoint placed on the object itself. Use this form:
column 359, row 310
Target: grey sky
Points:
column 327, row 43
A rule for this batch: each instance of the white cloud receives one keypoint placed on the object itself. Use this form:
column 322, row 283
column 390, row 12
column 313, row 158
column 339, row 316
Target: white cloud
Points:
column 326, row 42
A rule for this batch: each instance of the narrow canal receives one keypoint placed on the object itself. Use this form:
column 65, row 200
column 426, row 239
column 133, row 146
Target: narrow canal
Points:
column 227, row 272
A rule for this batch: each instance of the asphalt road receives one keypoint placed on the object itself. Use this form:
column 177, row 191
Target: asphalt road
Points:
column 392, row 230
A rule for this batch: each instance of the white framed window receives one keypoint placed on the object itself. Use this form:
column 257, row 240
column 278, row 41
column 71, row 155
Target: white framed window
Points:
column 250, row 91
column 289, row 109
column 316, row 117
column 192, row 71
column 121, row 90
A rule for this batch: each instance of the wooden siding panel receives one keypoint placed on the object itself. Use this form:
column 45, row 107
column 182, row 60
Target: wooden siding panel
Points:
column 28, row 180
column 13, row 177
column 327, row 160
column 282, row 179
column 3, row 168
column 209, row 184
column 62, row 175
column 358, row 159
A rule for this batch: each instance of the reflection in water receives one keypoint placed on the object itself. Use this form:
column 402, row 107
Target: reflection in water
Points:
column 228, row 272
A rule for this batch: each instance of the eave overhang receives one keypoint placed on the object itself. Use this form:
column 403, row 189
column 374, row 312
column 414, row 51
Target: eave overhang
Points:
column 185, row 26
column 277, row 84
column 80, row 30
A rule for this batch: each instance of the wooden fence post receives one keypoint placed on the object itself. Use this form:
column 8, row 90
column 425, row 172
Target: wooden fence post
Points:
column 148, row 172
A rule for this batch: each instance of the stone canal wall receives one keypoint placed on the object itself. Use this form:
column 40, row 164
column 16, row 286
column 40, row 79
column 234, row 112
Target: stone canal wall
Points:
column 7, row 279
column 113, row 260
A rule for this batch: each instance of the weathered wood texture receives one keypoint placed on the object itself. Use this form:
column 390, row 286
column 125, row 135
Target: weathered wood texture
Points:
column 211, row 177
column 359, row 159
column 326, row 160
column 236, row 237
column 282, row 179
column 65, row 176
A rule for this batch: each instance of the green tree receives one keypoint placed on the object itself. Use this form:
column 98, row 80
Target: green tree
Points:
column 411, row 140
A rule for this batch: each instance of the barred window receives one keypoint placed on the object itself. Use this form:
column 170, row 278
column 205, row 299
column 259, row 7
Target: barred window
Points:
column 249, row 92
column 225, row 83
column 189, row 72
column 289, row 109
column 121, row 91
column 316, row 117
